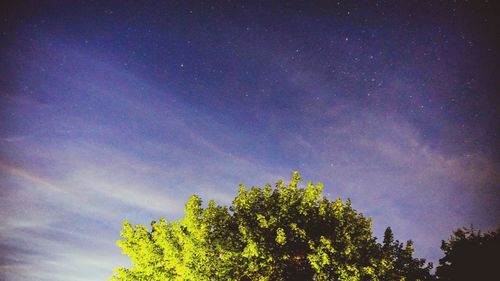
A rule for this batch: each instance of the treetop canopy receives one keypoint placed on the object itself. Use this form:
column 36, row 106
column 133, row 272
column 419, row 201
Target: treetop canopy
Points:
column 281, row 233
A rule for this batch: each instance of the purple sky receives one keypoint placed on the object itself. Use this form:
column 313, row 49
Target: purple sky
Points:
column 122, row 111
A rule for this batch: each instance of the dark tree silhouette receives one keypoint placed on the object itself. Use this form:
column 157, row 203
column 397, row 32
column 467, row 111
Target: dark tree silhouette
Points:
column 404, row 265
column 470, row 255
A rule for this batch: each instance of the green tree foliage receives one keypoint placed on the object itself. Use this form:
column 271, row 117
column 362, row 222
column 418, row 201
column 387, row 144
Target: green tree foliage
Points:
column 470, row 255
column 282, row 233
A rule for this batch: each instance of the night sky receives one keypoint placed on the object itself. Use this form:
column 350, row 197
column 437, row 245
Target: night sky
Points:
column 122, row 110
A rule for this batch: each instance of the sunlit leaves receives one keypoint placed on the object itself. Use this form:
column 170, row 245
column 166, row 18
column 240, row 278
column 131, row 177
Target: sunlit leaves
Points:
column 282, row 233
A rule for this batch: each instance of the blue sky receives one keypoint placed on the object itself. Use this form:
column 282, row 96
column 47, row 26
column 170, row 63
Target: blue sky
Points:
column 121, row 111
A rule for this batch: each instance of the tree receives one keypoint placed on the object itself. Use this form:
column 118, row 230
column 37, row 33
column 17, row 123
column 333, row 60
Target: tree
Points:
column 470, row 255
column 402, row 262
column 282, row 233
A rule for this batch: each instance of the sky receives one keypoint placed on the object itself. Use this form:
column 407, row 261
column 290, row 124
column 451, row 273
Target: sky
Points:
column 114, row 110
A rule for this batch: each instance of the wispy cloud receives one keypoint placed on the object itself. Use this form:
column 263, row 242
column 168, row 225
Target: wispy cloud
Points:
column 80, row 172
